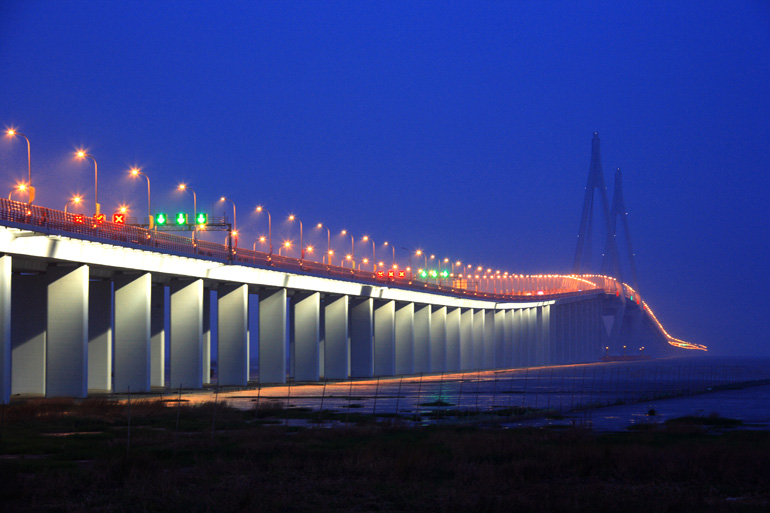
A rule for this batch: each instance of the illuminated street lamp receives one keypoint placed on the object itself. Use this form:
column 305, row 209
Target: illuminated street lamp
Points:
column 235, row 221
column 286, row 244
column 330, row 254
column 22, row 187
column 394, row 251
column 374, row 257
column 352, row 245
column 135, row 171
column 11, row 132
column 262, row 240
column 349, row 258
column 82, row 155
column 419, row 252
column 185, row 187
column 260, row 208
column 292, row 217
column 328, row 239
column 75, row 200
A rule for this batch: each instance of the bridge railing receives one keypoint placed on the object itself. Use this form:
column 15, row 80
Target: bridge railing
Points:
column 44, row 219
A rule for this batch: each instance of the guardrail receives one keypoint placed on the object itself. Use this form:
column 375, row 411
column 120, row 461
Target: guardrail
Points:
column 44, row 219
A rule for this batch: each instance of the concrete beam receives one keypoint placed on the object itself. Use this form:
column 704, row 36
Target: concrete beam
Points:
column 385, row 338
column 336, row 354
column 306, row 318
column 422, row 337
column 272, row 336
column 186, row 340
column 206, row 338
column 158, row 336
column 479, row 351
column 361, row 318
column 100, row 336
column 438, row 340
column 5, row 329
column 466, row 340
column 67, row 339
column 28, row 333
column 405, row 338
column 232, row 334
column 453, row 340
column 133, row 297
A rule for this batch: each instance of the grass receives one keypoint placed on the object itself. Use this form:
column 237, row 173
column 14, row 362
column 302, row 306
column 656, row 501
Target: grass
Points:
column 73, row 456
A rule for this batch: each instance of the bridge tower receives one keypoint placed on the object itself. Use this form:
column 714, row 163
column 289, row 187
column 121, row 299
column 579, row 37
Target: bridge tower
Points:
column 583, row 252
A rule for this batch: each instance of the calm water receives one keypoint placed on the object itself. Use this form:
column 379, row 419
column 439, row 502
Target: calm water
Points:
column 606, row 396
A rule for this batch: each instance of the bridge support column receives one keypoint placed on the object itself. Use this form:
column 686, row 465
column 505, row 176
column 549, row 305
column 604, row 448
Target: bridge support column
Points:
column 453, row 339
column 272, row 336
column 28, row 333
column 519, row 331
column 232, row 334
column 385, row 339
column 422, row 338
column 508, row 334
column 405, row 338
column 206, row 338
column 158, row 335
column 67, row 325
column 500, row 325
column 466, row 340
column 132, row 332
column 438, row 340
column 361, row 316
column 531, row 346
column 100, row 336
column 307, row 325
column 557, row 342
column 545, row 335
column 490, row 340
column 186, row 340
column 478, row 340
column 5, row 329
column 336, row 354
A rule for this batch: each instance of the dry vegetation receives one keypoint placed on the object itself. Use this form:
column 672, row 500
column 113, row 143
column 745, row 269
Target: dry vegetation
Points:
column 68, row 456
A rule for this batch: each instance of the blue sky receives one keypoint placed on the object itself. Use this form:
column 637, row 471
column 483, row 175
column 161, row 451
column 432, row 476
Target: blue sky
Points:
column 462, row 128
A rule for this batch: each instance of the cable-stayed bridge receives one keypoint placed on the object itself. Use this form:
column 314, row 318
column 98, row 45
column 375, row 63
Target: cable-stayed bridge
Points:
column 87, row 304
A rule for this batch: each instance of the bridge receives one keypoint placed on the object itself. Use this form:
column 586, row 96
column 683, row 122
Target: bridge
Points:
column 84, row 304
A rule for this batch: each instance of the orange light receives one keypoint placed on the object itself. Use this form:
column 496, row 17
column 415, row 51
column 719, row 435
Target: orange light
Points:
column 419, row 252
column 366, row 238
column 291, row 217
column 287, row 244
column 344, row 232
column 320, row 225
column 182, row 186
column 347, row 257
column 262, row 239
column 222, row 198
column 309, row 249
column 81, row 154
column 259, row 208
column 77, row 199
column 331, row 251
column 135, row 171
column 22, row 187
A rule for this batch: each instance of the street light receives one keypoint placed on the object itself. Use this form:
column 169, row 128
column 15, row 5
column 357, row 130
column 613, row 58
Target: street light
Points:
column 82, row 155
column 330, row 254
column 292, row 217
column 235, row 221
column 419, row 252
column 11, row 132
column 22, row 187
column 352, row 245
column 75, row 200
column 260, row 208
column 394, row 251
column 286, row 244
column 134, row 173
column 374, row 257
column 185, row 187
column 328, row 239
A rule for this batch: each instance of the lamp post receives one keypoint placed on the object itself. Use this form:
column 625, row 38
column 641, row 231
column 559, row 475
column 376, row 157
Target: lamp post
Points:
column 292, row 217
column 286, row 244
column 261, row 240
column 394, row 252
column 19, row 188
column 328, row 239
column 374, row 257
column 420, row 252
column 235, row 221
column 81, row 155
column 269, row 228
column 11, row 132
column 75, row 200
column 185, row 187
column 136, row 172
column 352, row 246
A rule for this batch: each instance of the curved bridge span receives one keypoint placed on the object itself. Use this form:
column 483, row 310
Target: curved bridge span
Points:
column 100, row 306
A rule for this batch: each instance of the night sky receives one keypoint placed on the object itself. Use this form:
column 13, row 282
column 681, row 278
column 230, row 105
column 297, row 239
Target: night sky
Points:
column 461, row 128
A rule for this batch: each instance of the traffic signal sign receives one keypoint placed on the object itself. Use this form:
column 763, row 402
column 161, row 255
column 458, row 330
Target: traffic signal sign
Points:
column 181, row 218
column 201, row 218
column 119, row 218
column 161, row 219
